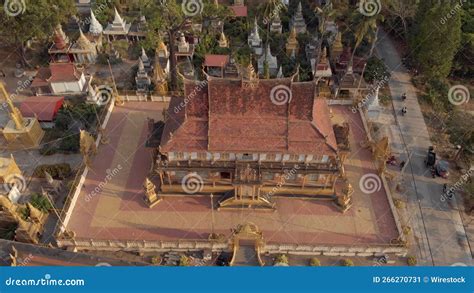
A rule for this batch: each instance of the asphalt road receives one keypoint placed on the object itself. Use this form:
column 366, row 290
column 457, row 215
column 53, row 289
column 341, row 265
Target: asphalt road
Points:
column 439, row 232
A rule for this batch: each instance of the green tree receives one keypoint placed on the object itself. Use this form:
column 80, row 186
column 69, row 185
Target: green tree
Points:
column 376, row 70
column 464, row 64
column 37, row 22
column 436, row 37
column 365, row 28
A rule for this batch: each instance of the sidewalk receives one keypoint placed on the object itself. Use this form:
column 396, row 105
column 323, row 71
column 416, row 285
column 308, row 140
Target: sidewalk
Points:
column 437, row 226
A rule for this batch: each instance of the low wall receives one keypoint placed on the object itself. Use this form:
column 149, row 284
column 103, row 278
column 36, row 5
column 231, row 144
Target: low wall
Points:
column 216, row 246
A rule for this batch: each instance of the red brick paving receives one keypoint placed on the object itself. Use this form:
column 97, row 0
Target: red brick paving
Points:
column 118, row 212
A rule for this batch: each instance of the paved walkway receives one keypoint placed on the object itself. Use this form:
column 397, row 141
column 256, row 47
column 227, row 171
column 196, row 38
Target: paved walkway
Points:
column 439, row 233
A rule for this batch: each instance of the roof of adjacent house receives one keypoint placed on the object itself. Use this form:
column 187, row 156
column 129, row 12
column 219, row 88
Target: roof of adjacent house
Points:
column 56, row 72
column 224, row 115
column 44, row 108
column 239, row 11
column 216, row 60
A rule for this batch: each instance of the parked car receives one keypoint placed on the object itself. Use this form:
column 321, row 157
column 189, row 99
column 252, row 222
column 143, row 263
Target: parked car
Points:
column 442, row 169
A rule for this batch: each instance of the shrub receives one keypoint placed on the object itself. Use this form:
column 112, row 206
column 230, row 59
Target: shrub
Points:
column 314, row 262
column 156, row 260
column 347, row 263
column 57, row 171
column 411, row 261
column 40, row 202
column 281, row 259
column 184, row 261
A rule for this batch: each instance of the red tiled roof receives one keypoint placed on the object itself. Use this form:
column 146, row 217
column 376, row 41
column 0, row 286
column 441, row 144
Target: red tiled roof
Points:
column 57, row 72
column 239, row 11
column 228, row 117
column 44, row 108
column 357, row 64
column 216, row 60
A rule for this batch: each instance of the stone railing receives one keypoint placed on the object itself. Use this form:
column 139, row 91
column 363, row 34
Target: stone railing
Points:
column 217, row 246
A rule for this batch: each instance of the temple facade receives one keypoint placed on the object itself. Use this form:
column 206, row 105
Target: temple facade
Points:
column 235, row 139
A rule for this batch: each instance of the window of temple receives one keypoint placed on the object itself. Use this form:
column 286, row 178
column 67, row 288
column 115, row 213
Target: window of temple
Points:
column 268, row 176
column 247, row 157
column 202, row 156
column 270, row 157
column 313, row 177
column 179, row 156
column 325, row 159
column 225, row 156
column 225, row 175
column 293, row 158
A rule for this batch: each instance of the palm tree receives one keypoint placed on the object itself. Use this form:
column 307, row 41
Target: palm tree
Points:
column 366, row 28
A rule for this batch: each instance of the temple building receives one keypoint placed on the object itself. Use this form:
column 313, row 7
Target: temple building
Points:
column 163, row 57
column 83, row 50
column 336, row 47
column 292, row 43
column 185, row 50
column 215, row 64
column 59, row 50
column 60, row 79
column 267, row 59
column 342, row 63
column 351, row 85
column 95, row 28
column 223, row 42
column 146, row 61
column 254, row 40
column 142, row 79
column 240, row 140
column 275, row 26
column 298, row 22
column 118, row 28
column 20, row 132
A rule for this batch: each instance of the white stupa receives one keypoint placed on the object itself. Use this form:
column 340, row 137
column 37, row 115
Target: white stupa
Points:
column 95, row 27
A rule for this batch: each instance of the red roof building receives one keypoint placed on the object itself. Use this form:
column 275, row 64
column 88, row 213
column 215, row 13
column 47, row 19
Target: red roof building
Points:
column 60, row 78
column 44, row 108
column 226, row 116
column 240, row 10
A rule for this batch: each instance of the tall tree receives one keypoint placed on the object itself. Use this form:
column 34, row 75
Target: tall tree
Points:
column 436, row 37
column 404, row 10
column 36, row 20
column 366, row 27
column 167, row 19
